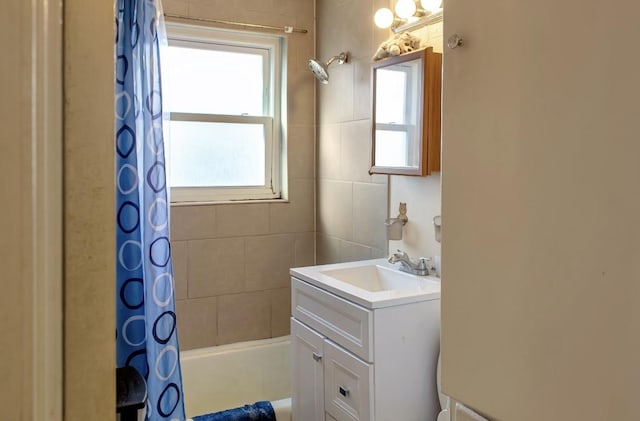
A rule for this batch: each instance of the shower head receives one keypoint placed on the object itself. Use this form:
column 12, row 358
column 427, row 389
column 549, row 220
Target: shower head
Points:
column 320, row 70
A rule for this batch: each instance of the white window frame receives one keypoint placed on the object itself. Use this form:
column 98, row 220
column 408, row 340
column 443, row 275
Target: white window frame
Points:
column 271, row 47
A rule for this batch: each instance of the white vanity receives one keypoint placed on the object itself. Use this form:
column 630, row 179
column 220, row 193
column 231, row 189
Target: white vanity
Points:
column 365, row 340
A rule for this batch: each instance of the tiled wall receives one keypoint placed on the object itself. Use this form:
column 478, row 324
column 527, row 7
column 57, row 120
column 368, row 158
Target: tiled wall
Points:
column 352, row 204
column 231, row 261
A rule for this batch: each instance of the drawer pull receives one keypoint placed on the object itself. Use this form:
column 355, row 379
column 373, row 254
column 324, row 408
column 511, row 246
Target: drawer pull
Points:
column 343, row 391
column 317, row 356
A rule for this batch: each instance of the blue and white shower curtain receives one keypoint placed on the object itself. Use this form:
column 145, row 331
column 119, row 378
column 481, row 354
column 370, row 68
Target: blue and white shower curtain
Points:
column 146, row 319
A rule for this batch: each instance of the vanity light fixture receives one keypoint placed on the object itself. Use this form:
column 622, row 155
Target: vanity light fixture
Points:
column 409, row 15
column 405, row 9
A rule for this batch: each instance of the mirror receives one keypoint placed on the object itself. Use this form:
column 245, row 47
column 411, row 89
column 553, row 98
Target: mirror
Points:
column 406, row 114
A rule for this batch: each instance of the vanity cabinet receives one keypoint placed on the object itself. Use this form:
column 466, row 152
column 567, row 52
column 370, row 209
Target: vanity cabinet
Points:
column 353, row 363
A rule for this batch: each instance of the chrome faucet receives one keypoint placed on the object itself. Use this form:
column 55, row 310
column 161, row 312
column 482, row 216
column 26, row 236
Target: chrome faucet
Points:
column 418, row 267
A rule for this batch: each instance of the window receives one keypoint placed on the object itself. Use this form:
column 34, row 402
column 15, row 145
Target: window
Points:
column 222, row 91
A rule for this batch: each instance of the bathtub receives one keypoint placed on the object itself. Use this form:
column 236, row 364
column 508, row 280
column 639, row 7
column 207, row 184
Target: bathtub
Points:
column 229, row 376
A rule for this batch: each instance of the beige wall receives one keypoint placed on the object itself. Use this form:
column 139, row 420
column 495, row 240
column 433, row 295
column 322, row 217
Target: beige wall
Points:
column 16, row 341
column 231, row 261
column 89, row 219
column 421, row 194
column 31, row 217
column 541, row 206
column 352, row 205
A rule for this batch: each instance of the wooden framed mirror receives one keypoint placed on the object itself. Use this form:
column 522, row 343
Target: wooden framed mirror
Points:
column 406, row 96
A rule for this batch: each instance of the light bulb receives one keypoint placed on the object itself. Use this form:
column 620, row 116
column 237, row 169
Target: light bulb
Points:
column 383, row 18
column 405, row 8
column 431, row 5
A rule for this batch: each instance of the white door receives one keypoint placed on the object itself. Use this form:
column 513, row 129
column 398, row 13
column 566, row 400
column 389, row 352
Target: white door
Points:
column 541, row 209
column 308, row 374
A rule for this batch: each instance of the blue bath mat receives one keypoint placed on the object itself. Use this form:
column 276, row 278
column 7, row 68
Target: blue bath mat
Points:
column 259, row 411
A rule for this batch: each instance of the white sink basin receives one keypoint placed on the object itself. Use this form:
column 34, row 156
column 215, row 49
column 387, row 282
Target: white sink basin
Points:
column 375, row 278
column 370, row 283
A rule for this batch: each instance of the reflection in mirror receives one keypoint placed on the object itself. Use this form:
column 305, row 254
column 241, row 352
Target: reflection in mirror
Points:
column 397, row 132
column 404, row 92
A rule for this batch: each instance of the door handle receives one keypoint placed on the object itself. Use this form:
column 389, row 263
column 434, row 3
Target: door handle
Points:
column 343, row 391
column 317, row 356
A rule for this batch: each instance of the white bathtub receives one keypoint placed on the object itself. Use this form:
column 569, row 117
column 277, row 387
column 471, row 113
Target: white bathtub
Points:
column 230, row 376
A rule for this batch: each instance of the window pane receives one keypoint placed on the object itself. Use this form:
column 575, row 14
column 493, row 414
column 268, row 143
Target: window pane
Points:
column 391, row 149
column 217, row 154
column 212, row 82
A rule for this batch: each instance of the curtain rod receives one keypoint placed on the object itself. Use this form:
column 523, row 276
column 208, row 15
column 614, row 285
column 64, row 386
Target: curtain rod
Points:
column 285, row 29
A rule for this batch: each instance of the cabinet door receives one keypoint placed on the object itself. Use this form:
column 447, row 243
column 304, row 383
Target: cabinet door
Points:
column 348, row 385
column 308, row 374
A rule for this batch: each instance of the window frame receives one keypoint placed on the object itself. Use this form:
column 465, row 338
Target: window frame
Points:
column 272, row 47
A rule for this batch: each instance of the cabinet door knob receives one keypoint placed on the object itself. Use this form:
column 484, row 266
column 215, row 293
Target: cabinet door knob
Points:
column 317, row 356
column 454, row 41
column 343, row 391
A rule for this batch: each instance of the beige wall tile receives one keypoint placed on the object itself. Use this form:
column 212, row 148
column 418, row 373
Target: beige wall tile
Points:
column 262, row 6
column 244, row 317
column 336, row 98
column 327, row 249
column 376, row 253
column 280, row 311
column 268, row 260
column 329, row 157
column 301, row 152
column 362, row 104
column 369, row 213
column 298, row 12
column 242, row 219
column 300, row 91
column 349, row 219
column 305, row 249
column 380, row 179
column 335, row 215
column 216, row 267
column 175, row 7
column 193, row 222
column 355, row 148
column 217, row 9
column 298, row 214
column 350, row 252
column 345, row 26
column 299, row 51
column 179, row 254
column 197, row 322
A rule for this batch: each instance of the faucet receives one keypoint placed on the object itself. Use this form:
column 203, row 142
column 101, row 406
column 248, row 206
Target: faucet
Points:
column 418, row 267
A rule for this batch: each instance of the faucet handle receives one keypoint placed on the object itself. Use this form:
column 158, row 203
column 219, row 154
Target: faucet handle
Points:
column 423, row 262
column 426, row 263
column 402, row 253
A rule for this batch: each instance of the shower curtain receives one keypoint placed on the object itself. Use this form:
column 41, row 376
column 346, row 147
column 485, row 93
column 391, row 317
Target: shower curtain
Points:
column 146, row 321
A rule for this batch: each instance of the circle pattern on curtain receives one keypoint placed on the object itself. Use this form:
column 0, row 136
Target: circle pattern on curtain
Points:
column 145, row 317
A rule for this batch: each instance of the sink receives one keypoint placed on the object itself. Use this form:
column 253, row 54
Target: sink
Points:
column 375, row 278
column 370, row 283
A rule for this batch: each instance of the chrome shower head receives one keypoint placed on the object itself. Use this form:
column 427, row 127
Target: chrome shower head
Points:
column 320, row 70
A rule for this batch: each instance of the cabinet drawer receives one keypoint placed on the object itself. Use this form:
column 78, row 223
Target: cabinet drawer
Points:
column 343, row 322
column 348, row 385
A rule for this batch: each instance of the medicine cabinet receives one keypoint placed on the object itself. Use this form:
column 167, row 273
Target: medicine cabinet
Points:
column 406, row 114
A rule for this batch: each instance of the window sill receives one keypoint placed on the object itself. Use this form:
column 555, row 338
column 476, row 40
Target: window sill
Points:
column 229, row 202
